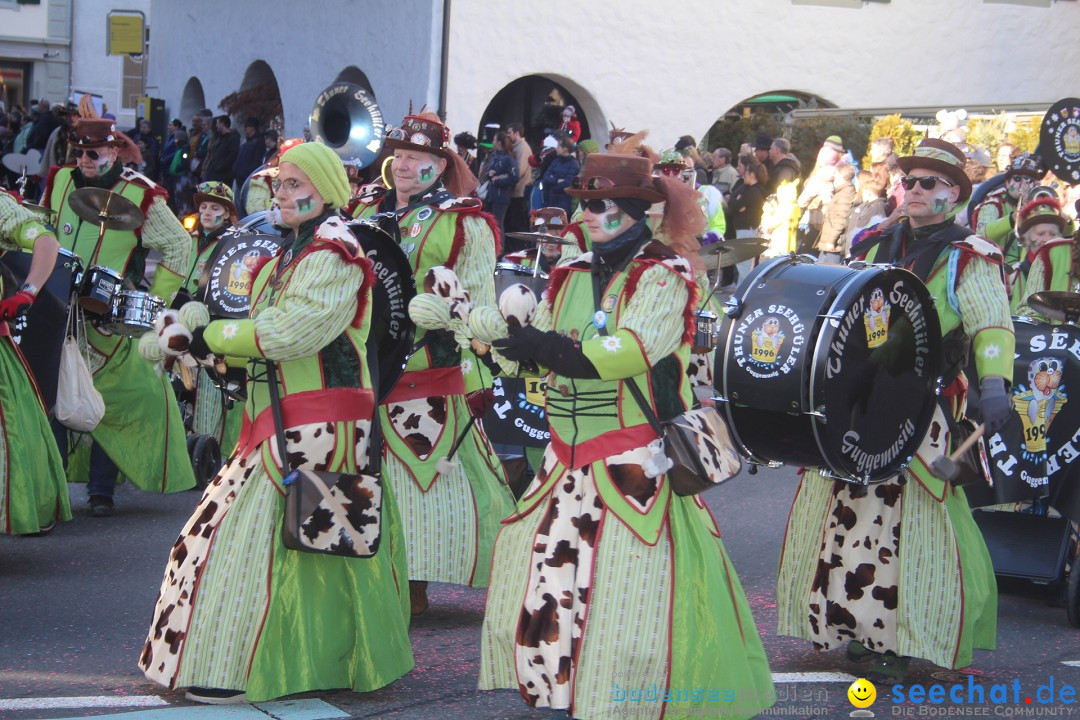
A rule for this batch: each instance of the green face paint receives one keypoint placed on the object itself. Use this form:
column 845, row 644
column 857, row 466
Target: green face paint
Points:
column 426, row 174
column 613, row 220
column 304, row 205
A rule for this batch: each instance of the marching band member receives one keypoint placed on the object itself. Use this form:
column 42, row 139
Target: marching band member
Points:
column 600, row 533
column 551, row 221
column 451, row 511
column 239, row 617
column 994, row 218
column 33, row 489
column 154, row 458
column 899, row 569
column 1055, row 265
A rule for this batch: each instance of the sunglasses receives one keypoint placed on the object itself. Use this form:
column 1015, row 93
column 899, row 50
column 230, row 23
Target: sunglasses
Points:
column 926, row 183
column 417, row 138
column 92, row 154
column 598, row 207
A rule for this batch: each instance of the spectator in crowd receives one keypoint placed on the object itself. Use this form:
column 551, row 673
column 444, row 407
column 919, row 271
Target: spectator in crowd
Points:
column 762, row 145
column 894, row 192
column 559, row 175
column 517, row 215
column 223, row 152
column 44, row 123
column 501, row 176
column 818, row 188
column 465, row 144
column 687, row 147
column 249, row 156
column 869, row 208
column 831, row 244
column 143, row 135
column 56, row 149
column 271, row 143
column 1006, row 153
column 783, row 166
column 745, row 202
column 724, row 174
column 174, row 156
column 570, row 125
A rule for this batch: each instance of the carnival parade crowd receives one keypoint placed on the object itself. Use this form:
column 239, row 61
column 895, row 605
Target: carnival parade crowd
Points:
column 349, row 484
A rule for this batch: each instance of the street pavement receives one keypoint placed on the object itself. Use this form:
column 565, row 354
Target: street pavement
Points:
column 75, row 607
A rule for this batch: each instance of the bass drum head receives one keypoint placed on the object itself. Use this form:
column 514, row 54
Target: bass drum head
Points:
column 876, row 370
column 226, row 280
column 392, row 330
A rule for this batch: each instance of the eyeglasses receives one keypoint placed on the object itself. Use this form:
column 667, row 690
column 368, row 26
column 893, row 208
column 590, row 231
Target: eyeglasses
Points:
column 417, row 138
column 290, row 185
column 598, row 207
column 92, row 154
column 594, row 183
column 926, row 183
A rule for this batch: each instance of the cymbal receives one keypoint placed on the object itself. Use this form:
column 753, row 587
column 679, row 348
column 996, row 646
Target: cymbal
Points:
column 1056, row 305
column 733, row 252
column 102, row 207
column 20, row 163
column 540, row 238
column 41, row 210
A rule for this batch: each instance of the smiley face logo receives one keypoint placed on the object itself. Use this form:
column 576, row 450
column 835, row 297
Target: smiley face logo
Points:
column 862, row 693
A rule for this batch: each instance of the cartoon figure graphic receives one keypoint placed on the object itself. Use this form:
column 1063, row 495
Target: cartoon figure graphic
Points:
column 240, row 274
column 766, row 341
column 1040, row 402
column 1071, row 141
column 876, row 319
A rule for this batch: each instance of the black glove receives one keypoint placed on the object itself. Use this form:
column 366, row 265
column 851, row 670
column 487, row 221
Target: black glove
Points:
column 552, row 350
column 995, row 404
column 198, row 347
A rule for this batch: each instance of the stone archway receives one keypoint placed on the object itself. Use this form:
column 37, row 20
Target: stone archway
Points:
column 192, row 100
column 536, row 101
column 258, row 97
column 356, row 76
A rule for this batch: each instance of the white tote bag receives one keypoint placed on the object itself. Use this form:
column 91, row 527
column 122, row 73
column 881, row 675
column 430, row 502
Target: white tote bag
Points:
column 79, row 406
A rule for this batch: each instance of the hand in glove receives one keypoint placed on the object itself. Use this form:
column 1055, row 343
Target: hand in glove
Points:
column 994, row 404
column 198, row 347
column 550, row 349
column 16, row 305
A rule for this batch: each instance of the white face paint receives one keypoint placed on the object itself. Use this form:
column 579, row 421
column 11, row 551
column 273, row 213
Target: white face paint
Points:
column 415, row 171
column 212, row 215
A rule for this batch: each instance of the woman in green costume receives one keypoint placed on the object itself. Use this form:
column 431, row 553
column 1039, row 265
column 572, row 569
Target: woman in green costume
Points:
column 33, row 491
column 610, row 596
column 239, row 616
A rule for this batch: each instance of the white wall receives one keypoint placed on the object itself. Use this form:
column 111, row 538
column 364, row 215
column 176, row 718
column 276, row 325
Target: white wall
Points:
column 25, row 21
column 674, row 67
column 305, row 44
column 92, row 70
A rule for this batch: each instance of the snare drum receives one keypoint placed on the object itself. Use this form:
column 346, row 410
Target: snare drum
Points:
column 507, row 274
column 704, row 331
column 830, row 367
column 133, row 313
column 98, row 288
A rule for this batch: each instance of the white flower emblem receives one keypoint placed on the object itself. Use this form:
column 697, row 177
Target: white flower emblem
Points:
column 31, row 233
column 611, row 343
column 229, row 331
column 466, row 366
column 991, row 351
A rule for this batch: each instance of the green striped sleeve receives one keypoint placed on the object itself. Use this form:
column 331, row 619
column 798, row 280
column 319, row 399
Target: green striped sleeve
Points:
column 19, row 227
column 984, row 309
column 164, row 233
column 316, row 306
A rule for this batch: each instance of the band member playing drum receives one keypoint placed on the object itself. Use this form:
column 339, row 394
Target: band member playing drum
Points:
column 33, row 489
column 899, row 569
column 239, row 615
column 451, row 510
column 154, row 458
column 599, row 536
column 214, row 202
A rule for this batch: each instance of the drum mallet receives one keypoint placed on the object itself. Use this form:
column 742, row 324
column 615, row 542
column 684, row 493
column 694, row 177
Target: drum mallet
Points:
column 945, row 467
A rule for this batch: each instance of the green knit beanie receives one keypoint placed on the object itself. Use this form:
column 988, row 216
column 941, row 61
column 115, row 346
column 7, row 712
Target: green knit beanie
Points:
column 323, row 168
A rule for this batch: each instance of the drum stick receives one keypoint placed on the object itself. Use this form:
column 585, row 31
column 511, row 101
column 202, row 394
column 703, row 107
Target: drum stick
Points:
column 945, row 467
column 971, row 440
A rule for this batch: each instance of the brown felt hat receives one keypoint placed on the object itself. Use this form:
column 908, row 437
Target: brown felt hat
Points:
column 941, row 157
column 423, row 132
column 611, row 176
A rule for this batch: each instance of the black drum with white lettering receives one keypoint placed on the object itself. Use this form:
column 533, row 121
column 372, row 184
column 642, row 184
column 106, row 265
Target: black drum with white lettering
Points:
column 226, row 279
column 829, row 367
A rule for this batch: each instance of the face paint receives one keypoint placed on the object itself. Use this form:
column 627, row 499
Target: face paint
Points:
column 940, row 201
column 305, row 204
column 613, row 219
column 426, row 173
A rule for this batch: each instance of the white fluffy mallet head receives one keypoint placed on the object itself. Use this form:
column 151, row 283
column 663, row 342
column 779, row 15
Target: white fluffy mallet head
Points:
column 174, row 340
column 444, row 283
column 165, row 319
column 517, row 304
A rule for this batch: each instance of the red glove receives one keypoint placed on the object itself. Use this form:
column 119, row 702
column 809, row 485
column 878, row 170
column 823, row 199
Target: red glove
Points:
column 480, row 401
column 15, row 305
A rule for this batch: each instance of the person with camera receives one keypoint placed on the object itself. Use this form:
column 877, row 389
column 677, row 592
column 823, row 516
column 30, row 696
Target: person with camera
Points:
column 240, row 617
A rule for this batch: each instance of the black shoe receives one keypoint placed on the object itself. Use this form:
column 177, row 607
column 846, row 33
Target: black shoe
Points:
column 215, row 696
column 101, row 506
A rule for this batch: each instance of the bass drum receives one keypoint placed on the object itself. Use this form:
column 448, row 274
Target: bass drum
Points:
column 391, row 337
column 830, row 367
column 226, row 280
column 40, row 333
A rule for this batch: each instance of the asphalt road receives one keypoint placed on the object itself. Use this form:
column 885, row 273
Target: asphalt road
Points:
column 75, row 606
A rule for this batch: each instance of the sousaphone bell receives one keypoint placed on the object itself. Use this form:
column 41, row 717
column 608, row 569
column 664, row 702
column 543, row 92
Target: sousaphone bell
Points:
column 347, row 119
